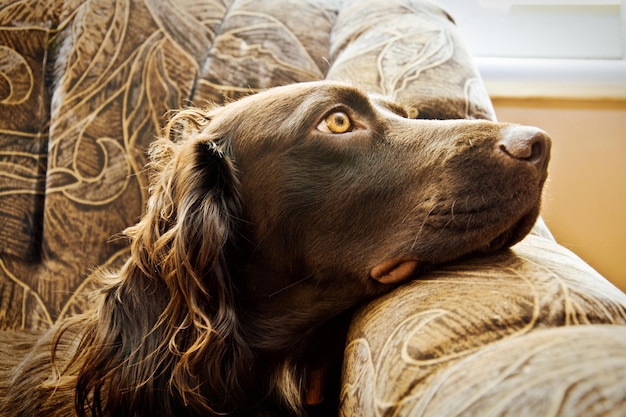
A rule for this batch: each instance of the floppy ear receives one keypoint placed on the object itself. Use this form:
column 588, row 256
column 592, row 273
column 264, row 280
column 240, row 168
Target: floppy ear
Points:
column 166, row 335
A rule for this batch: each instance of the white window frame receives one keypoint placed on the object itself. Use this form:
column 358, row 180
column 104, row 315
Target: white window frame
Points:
column 544, row 76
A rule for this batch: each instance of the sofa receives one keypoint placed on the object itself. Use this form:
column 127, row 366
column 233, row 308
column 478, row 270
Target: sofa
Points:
column 85, row 87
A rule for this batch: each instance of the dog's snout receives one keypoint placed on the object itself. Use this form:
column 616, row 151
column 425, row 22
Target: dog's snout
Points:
column 526, row 143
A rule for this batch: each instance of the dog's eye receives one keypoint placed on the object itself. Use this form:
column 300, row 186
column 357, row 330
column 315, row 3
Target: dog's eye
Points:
column 336, row 122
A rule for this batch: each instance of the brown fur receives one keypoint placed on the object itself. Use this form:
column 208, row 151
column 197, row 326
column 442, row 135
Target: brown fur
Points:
column 260, row 227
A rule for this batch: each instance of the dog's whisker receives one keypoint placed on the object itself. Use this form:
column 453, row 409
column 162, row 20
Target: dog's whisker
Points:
column 452, row 216
column 289, row 286
column 419, row 231
column 452, row 209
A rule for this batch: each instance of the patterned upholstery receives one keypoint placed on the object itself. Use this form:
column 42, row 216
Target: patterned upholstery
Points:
column 84, row 88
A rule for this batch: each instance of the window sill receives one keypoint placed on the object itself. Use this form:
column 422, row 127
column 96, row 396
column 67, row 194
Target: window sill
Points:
column 554, row 78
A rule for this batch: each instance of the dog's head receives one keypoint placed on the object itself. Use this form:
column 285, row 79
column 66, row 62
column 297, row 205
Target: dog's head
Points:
column 342, row 195
column 274, row 213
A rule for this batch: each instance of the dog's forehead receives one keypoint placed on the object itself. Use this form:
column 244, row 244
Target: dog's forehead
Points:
column 314, row 93
column 318, row 95
column 292, row 106
column 389, row 104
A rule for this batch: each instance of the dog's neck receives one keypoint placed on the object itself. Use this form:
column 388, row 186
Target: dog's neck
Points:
column 285, row 316
column 275, row 322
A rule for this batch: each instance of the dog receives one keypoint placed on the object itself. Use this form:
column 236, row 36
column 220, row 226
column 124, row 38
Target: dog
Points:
column 267, row 217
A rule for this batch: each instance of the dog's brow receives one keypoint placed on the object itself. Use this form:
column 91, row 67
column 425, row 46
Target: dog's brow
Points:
column 357, row 100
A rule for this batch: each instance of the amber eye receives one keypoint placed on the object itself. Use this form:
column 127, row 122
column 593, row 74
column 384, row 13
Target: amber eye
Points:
column 336, row 122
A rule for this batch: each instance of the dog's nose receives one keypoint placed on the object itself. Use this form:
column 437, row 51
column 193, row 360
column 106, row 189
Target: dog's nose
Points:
column 527, row 143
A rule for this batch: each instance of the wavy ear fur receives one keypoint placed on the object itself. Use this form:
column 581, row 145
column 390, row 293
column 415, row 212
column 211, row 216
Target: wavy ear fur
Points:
column 165, row 338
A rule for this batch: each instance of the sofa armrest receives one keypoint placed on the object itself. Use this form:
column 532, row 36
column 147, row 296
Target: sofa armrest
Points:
column 492, row 336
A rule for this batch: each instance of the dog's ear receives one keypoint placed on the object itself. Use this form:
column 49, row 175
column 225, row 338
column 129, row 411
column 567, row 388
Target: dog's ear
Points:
column 167, row 334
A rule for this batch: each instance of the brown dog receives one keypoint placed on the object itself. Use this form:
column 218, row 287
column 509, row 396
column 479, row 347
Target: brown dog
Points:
column 266, row 218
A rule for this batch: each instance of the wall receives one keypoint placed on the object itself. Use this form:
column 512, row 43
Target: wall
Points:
column 585, row 198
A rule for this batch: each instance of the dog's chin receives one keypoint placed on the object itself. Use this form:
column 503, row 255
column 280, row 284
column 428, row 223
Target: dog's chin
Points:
column 400, row 269
column 510, row 236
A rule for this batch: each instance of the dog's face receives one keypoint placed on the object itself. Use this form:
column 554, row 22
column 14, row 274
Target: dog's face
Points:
column 343, row 195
